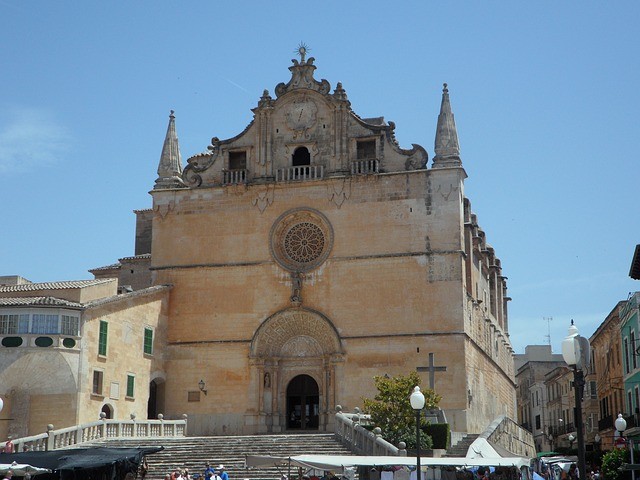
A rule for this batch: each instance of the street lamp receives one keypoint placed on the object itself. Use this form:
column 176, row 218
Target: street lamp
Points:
column 417, row 403
column 621, row 426
column 575, row 351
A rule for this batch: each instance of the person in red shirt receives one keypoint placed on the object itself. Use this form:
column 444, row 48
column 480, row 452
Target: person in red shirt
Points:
column 9, row 447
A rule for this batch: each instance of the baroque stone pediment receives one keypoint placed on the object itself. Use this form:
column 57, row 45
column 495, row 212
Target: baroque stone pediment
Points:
column 302, row 77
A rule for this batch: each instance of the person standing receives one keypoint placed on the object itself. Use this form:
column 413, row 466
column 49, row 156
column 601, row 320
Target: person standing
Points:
column 223, row 473
column 9, row 447
column 8, row 475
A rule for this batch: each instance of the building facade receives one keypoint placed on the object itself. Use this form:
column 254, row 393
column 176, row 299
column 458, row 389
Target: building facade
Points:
column 607, row 359
column 303, row 257
column 73, row 350
column 532, row 394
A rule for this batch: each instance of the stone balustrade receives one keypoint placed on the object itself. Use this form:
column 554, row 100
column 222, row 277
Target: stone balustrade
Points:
column 365, row 167
column 234, row 177
column 102, row 429
column 349, row 431
column 300, row 173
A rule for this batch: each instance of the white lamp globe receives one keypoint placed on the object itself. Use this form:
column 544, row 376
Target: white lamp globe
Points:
column 570, row 346
column 620, row 423
column 417, row 399
column 1, row 404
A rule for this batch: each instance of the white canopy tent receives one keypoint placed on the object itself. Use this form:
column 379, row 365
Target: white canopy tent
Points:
column 21, row 469
column 337, row 463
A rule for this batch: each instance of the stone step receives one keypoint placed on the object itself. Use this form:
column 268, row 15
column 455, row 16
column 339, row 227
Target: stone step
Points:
column 461, row 448
column 193, row 453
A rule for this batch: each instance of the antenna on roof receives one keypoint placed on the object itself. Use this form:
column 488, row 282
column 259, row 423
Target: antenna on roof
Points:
column 548, row 335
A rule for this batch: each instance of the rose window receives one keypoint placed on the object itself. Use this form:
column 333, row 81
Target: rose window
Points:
column 301, row 240
column 304, row 242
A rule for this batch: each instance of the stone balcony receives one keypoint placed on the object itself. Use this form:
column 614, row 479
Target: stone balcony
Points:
column 300, row 173
column 365, row 167
column 234, row 177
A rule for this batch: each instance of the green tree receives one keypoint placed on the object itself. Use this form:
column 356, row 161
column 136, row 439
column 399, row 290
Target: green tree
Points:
column 391, row 410
column 612, row 460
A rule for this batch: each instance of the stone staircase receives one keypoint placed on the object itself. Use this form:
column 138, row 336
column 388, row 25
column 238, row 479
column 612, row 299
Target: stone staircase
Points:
column 460, row 448
column 194, row 452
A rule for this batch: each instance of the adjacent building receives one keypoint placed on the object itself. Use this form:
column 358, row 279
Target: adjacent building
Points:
column 532, row 393
column 73, row 350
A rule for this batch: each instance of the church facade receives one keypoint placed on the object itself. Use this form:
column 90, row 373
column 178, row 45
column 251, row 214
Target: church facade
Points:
column 310, row 253
column 305, row 256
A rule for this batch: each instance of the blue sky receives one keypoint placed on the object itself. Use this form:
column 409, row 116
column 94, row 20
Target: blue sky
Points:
column 546, row 97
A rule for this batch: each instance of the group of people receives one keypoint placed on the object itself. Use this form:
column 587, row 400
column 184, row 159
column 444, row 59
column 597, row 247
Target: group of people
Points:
column 210, row 473
column 573, row 473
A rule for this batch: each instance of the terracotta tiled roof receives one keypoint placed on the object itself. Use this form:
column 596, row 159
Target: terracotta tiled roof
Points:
column 106, row 267
column 128, row 296
column 39, row 301
column 144, row 256
column 30, row 287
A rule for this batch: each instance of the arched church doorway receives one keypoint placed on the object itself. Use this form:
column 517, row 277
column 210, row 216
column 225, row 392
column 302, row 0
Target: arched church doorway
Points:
column 155, row 404
column 303, row 403
column 107, row 410
column 301, row 156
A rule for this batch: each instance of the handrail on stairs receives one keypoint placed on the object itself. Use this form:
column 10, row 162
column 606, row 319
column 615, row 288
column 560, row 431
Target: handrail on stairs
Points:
column 100, row 430
column 349, row 431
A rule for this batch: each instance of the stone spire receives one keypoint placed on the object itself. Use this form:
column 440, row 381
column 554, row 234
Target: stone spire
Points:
column 170, row 166
column 446, row 147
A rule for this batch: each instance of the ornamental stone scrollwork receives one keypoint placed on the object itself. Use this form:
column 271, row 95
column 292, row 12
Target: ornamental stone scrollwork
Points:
column 294, row 333
column 339, row 190
column 301, row 240
column 302, row 77
column 199, row 163
column 264, row 197
column 301, row 346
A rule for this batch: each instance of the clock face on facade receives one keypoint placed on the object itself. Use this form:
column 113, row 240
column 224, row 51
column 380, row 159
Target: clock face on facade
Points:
column 301, row 114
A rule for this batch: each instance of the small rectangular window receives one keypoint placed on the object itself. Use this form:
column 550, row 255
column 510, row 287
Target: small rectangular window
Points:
column 130, row 385
column 97, row 382
column 537, row 422
column 148, row 341
column 102, row 340
column 70, row 325
column 23, row 323
column 114, row 390
column 47, row 324
column 8, row 324
column 626, row 355
column 365, row 149
column 237, row 160
column 634, row 361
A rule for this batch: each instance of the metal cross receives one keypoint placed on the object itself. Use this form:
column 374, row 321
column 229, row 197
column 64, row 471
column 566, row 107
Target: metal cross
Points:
column 432, row 369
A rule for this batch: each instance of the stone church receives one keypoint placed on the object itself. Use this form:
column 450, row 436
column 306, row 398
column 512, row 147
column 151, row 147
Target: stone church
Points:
column 306, row 255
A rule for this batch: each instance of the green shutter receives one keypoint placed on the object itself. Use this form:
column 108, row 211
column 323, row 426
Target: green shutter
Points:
column 102, row 341
column 148, row 341
column 130, row 384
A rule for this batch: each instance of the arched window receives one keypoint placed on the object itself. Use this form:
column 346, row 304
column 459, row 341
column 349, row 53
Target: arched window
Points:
column 300, row 157
column 107, row 410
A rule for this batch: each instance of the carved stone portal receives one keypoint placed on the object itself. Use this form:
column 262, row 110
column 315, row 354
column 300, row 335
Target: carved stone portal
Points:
column 294, row 342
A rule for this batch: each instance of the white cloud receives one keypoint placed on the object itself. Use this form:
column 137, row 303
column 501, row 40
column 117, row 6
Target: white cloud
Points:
column 31, row 138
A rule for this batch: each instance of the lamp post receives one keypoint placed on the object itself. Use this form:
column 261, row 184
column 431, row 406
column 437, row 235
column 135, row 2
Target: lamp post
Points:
column 621, row 426
column 417, row 403
column 596, row 440
column 575, row 351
